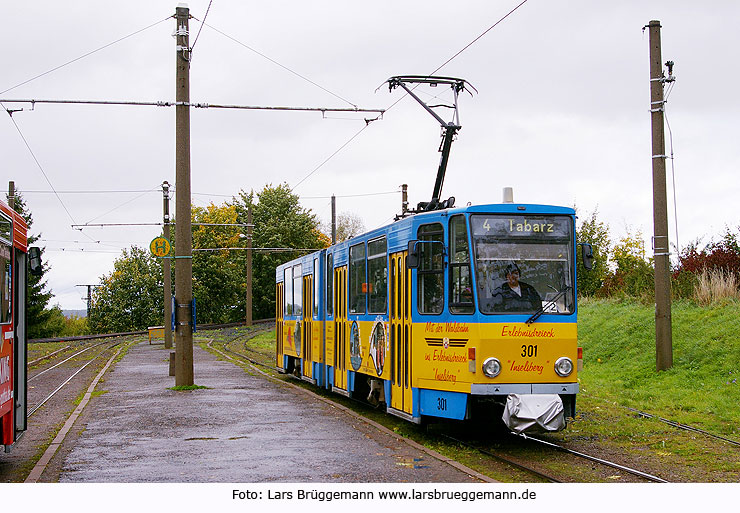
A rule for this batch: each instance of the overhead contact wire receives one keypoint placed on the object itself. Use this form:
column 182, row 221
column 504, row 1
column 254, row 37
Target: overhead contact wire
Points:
column 281, row 65
column 405, row 94
column 85, row 55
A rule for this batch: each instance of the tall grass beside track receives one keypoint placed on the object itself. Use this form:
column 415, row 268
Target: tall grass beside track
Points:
column 702, row 388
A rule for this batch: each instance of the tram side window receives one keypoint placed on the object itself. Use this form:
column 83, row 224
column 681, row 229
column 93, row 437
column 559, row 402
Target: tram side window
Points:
column 329, row 284
column 297, row 290
column 357, row 283
column 377, row 271
column 5, row 281
column 430, row 274
column 288, row 292
column 461, row 284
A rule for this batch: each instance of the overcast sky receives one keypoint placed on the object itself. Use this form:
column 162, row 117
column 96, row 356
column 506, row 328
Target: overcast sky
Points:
column 561, row 114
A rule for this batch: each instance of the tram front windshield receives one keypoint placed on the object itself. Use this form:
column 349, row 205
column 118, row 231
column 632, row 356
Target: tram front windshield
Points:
column 523, row 263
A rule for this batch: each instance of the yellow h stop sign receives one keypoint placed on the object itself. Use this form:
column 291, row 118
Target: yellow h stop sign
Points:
column 160, row 247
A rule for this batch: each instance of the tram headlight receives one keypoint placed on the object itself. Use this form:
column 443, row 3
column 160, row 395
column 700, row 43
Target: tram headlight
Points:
column 491, row 367
column 563, row 366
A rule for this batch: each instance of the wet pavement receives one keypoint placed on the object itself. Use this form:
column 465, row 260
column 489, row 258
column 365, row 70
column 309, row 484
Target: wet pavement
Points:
column 242, row 428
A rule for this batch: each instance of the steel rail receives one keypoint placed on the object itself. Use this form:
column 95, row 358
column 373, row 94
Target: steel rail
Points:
column 143, row 332
column 37, row 360
column 504, row 460
column 40, row 404
column 608, row 463
column 685, row 427
column 63, row 361
column 434, row 454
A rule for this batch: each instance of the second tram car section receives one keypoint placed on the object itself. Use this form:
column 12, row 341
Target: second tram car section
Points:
column 452, row 314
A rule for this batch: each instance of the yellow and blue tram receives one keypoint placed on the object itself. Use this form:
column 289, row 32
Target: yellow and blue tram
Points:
column 441, row 314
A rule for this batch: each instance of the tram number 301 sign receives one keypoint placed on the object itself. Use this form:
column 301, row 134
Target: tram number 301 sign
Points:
column 160, row 247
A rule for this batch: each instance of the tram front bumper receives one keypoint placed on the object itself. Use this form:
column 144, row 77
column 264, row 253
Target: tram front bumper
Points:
column 523, row 388
column 534, row 413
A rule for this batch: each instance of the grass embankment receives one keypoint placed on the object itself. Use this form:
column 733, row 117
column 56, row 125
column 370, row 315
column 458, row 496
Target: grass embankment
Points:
column 702, row 389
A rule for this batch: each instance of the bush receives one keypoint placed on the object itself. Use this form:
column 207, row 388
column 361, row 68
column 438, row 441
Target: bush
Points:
column 723, row 255
column 634, row 275
column 683, row 285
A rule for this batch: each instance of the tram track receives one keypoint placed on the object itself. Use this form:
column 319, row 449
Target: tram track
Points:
column 49, row 369
column 685, row 427
column 76, row 372
column 518, row 465
column 673, row 423
column 255, row 364
column 57, row 393
column 602, row 461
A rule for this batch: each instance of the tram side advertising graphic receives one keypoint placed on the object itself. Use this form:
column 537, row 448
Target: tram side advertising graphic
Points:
column 16, row 260
column 459, row 313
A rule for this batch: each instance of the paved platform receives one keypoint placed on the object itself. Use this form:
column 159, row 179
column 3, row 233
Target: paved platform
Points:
column 242, row 428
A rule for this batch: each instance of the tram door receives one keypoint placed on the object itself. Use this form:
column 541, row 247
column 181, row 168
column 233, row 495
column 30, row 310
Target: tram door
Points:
column 400, row 333
column 279, row 308
column 307, row 335
column 340, row 328
column 20, row 352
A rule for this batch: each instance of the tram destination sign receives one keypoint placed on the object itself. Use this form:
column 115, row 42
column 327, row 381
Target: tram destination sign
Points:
column 160, row 247
column 519, row 226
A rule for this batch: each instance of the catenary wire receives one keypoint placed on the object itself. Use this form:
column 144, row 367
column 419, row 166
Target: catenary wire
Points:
column 201, row 27
column 85, row 55
column 158, row 188
column 38, row 164
column 279, row 64
column 673, row 176
column 367, row 123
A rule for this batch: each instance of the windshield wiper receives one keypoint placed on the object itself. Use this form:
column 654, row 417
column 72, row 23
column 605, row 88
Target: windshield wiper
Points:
column 547, row 305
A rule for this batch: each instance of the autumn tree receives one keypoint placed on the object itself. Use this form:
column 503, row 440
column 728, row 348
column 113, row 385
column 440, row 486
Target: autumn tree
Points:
column 219, row 274
column 283, row 230
column 634, row 274
column 129, row 298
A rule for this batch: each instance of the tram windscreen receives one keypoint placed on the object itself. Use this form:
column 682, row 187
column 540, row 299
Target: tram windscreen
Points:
column 523, row 263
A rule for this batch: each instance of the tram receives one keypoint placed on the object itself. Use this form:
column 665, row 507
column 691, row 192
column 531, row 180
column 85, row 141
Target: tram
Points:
column 450, row 313
column 444, row 314
column 15, row 262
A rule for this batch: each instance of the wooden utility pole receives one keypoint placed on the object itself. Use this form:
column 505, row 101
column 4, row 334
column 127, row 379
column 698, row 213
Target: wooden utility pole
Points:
column 333, row 219
column 663, row 330
column 166, row 272
column 404, row 199
column 249, row 265
column 183, row 233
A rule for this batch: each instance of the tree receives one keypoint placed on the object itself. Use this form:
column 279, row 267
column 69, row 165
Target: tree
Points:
column 349, row 225
column 279, row 222
column 43, row 321
column 596, row 233
column 129, row 298
column 634, row 274
column 219, row 276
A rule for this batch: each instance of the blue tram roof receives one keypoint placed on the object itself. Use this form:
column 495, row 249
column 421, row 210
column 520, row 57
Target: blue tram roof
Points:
column 400, row 232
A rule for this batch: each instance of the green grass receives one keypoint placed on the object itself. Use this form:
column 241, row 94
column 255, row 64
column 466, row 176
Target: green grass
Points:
column 702, row 388
column 181, row 388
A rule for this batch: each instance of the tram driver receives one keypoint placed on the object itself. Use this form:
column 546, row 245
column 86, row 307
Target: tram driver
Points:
column 514, row 295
